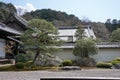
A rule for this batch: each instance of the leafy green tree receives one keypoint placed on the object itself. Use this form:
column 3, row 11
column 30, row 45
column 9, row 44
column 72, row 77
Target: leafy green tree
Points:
column 115, row 36
column 79, row 33
column 53, row 16
column 42, row 36
column 112, row 25
column 84, row 48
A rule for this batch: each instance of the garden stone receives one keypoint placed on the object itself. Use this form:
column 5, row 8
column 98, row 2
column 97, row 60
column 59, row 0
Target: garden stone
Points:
column 70, row 68
column 89, row 62
column 48, row 60
column 116, row 66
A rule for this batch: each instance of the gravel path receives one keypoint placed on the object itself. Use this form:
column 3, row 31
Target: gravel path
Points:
column 36, row 75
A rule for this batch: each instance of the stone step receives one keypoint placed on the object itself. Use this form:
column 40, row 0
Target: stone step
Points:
column 7, row 61
column 82, row 78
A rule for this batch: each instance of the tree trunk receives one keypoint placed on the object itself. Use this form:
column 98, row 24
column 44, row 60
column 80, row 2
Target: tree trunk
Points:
column 36, row 55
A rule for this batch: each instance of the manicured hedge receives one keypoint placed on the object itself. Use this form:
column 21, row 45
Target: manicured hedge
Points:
column 29, row 64
column 19, row 65
column 116, row 61
column 103, row 65
column 67, row 63
column 7, row 68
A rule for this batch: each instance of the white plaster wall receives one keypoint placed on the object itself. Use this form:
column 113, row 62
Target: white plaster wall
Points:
column 107, row 54
column 64, row 38
column 71, row 32
column 103, row 54
column 67, row 32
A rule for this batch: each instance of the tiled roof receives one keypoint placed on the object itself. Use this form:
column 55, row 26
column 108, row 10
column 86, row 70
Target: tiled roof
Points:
column 109, row 45
column 99, row 45
column 73, row 27
column 67, row 27
column 5, row 28
column 17, row 18
column 23, row 21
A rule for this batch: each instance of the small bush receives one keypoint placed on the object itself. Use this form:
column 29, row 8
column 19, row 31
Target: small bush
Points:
column 117, row 59
column 67, row 63
column 7, row 68
column 114, row 62
column 19, row 65
column 21, row 58
column 29, row 64
column 103, row 65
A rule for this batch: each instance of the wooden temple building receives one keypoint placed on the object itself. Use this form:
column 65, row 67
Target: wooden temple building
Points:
column 14, row 26
column 10, row 30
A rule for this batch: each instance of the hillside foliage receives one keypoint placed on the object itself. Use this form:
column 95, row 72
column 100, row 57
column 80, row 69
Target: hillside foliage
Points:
column 112, row 25
column 5, row 10
column 115, row 36
column 58, row 18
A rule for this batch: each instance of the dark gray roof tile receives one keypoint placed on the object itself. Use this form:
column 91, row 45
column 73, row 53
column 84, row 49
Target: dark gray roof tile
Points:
column 5, row 28
column 23, row 21
column 67, row 27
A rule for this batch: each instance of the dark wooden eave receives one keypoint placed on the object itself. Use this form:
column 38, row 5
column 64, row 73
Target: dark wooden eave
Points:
column 13, row 17
column 4, row 29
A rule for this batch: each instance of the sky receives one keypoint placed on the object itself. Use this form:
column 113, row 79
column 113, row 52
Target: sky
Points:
column 94, row 10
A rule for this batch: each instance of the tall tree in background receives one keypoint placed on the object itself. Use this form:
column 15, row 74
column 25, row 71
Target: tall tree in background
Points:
column 100, row 30
column 79, row 33
column 115, row 36
column 42, row 36
column 5, row 10
column 112, row 25
column 108, row 25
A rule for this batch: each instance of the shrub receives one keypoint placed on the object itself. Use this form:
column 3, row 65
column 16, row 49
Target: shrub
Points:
column 67, row 63
column 7, row 68
column 29, row 64
column 84, row 48
column 103, row 65
column 85, row 62
column 29, row 55
column 118, row 59
column 114, row 62
column 21, row 58
column 19, row 65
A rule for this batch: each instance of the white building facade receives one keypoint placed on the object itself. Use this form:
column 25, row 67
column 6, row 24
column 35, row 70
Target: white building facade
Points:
column 67, row 33
column 107, row 51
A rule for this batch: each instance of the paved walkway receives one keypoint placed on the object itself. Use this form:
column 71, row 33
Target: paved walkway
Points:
column 36, row 75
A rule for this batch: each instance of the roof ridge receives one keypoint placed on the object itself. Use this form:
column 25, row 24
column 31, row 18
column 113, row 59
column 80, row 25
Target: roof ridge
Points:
column 20, row 19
